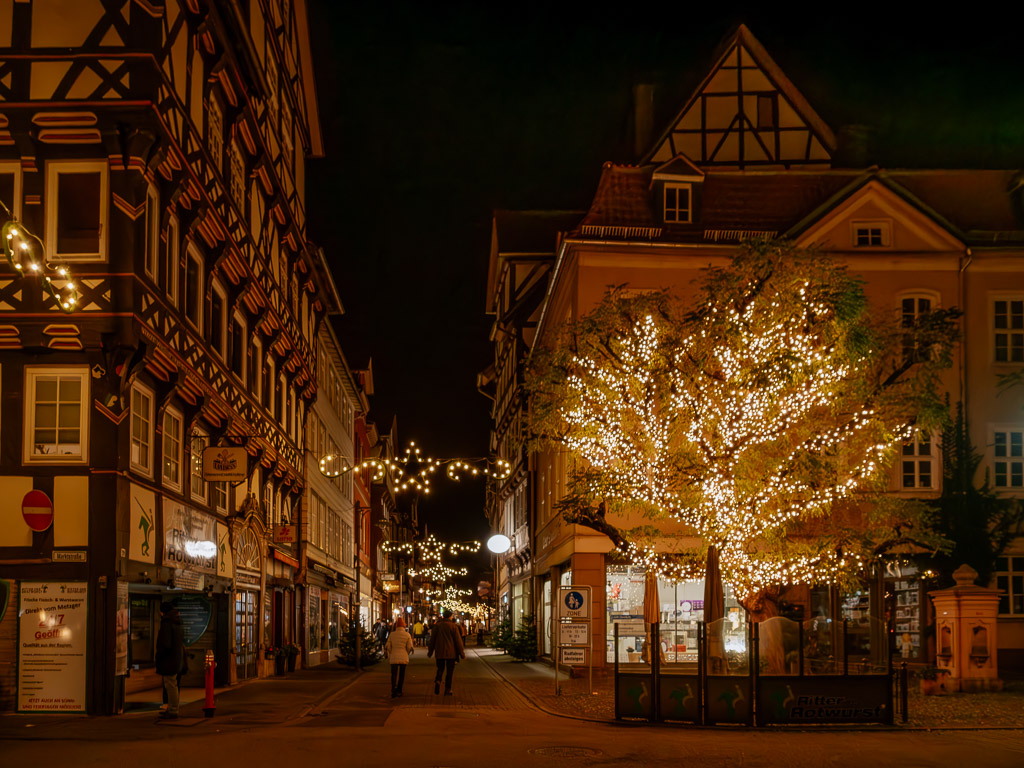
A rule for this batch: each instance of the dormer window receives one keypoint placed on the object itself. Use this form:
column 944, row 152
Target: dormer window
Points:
column 678, row 208
column 872, row 234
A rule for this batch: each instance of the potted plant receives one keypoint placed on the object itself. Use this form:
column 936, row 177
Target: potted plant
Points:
column 933, row 681
column 291, row 653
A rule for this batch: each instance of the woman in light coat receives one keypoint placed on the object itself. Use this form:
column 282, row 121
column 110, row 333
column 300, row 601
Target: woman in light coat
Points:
column 398, row 649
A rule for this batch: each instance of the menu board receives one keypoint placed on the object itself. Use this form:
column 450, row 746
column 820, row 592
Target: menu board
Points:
column 51, row 646
column 195, row 614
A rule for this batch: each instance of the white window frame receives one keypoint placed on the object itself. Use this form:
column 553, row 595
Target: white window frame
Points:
column 171, row 415
column 191, row 252
column 54, row 169
column 676, row 210
column 218, row 501
column 14, row 168
column 885, row 232
column 196, row 462
column 172, row 249
column 221, row 323
column 916, row 458
column 917, row 296
column 32, row 373
column 152, row 221
column 144, row 466
column 1013, row 456
column 1010, row 332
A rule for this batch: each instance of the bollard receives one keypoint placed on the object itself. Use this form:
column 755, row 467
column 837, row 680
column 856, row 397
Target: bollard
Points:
column 209, row 707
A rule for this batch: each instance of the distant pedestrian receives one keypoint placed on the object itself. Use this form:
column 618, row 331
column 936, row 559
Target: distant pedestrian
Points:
column 170, row 655
column 398, row 649
column 446, row 645
column 417, row 632
column 380, row 632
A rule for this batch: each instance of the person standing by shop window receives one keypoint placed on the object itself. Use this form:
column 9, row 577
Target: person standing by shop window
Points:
column 170, row 655
column 398, row 649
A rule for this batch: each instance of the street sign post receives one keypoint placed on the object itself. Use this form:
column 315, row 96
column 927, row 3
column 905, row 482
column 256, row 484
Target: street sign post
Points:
column 574, row 641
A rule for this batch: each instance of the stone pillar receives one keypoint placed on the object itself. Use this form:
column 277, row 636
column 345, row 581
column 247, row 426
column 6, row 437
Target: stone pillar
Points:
column 965, row 632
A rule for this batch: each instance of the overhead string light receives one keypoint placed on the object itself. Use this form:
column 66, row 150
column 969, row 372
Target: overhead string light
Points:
column 27, row 256
column 413, row 470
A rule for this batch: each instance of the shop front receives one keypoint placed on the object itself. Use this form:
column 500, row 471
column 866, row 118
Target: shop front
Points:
column 249, row 614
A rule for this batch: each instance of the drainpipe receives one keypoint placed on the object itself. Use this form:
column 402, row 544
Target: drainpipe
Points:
column 965, row 262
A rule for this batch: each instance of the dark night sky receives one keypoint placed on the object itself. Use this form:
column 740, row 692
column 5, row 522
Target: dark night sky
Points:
column 434, row 114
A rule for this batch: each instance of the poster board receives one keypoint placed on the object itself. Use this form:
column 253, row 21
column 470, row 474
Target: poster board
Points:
column 53, row 617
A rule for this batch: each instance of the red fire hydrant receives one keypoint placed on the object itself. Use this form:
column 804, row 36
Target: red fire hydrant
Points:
column 209, row 707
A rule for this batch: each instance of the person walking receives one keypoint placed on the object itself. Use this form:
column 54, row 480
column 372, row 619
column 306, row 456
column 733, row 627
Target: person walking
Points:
column 446, row 645
column 398, row 649
column 417, row 632
column 170, row 656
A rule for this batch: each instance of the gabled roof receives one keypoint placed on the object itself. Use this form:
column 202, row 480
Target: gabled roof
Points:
column 524, row 233
column 719, row 124
column 679, row 167
column 623, row 199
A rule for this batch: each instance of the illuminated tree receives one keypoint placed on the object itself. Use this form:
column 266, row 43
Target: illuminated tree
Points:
column 762, row 416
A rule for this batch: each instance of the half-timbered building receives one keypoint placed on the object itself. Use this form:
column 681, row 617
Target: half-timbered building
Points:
column 158, row 150
column 747, row 156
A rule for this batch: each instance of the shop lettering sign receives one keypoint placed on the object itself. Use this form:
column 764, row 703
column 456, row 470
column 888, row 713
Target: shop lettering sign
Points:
column 190, row 539
column 286, row 534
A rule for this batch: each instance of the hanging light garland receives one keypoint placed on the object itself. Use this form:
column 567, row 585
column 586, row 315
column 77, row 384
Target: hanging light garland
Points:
column 27, row 256
column 751, row 417
column 413, row 470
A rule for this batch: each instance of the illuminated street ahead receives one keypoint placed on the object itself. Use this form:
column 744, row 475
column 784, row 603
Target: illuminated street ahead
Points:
column 327, row 717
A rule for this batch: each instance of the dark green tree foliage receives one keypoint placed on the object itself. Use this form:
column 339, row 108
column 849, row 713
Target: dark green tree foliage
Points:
column 977, row 523
column 370, row 649
column 524, row 640
column 501, row 638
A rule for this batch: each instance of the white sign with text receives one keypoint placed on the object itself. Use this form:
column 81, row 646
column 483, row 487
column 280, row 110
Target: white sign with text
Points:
column 51, row 646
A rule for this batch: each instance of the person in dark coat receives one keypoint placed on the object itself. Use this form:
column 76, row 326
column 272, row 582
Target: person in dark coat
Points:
column 446, row 646
column 170, row 655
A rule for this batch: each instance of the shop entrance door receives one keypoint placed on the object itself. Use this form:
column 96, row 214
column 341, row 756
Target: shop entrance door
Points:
column 246, row 633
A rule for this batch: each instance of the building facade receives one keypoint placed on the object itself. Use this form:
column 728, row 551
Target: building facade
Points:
column 747, row 156
column 158, row 150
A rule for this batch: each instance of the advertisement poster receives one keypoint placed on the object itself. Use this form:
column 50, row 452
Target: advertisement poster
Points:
column 51, row 646
column 122, row 629
column 142, row 532
column 190, row 539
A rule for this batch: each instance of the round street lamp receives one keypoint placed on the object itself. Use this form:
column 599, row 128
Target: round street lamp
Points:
column 499, row 544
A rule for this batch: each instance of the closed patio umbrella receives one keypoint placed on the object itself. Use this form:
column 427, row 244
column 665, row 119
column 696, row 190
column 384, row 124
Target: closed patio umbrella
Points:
column 652, row 609
column 714, row 611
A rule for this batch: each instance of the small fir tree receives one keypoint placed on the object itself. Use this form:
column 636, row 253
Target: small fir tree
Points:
column 501, row 638
column 524, row 640
column 370, row 650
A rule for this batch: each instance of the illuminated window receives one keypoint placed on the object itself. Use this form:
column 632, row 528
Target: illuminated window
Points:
column 219, row 494
column 197, row 485
column 194, row 288
column 912, row 309
column 56, row 415
column 170, row 272
column 219, row 321
column 152, row 233
column 142, row 430
column 238, row 346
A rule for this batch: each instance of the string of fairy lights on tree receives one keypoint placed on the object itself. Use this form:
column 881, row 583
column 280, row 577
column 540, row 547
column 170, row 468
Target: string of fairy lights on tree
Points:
column 414, row 470
column 747, row 421
column 27, row 256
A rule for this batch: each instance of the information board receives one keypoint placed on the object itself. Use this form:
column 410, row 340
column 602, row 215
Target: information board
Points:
column 195, row 614
column 51, row 646
column 574, row 634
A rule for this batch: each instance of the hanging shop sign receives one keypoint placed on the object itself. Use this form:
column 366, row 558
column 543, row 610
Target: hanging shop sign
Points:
column 225, row 464
column 52, row 645
column 195, row 611
column 190, row 539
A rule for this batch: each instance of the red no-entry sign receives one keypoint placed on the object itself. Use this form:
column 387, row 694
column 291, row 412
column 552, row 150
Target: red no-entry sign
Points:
column 37, row 509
